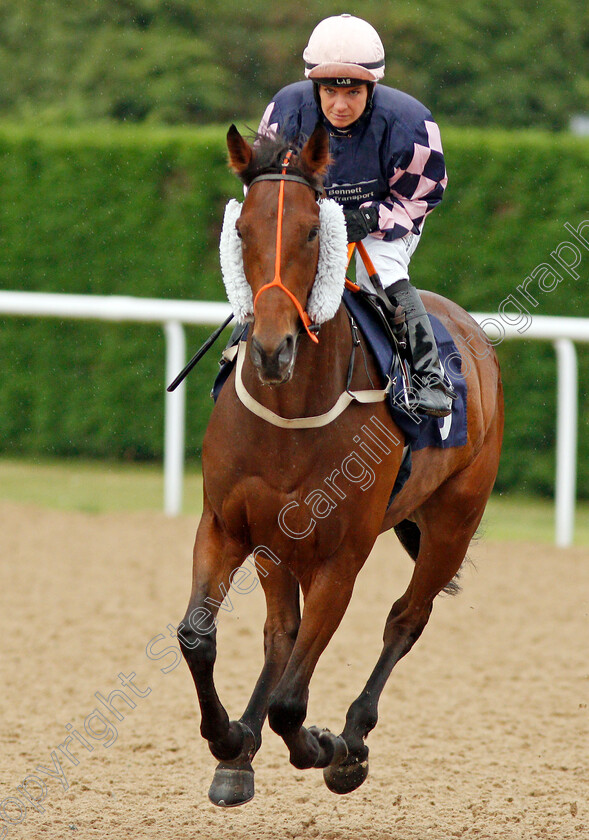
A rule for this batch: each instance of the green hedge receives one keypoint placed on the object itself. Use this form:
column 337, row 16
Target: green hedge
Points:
column 508, row 199
column 104, row 211
column 108, row 210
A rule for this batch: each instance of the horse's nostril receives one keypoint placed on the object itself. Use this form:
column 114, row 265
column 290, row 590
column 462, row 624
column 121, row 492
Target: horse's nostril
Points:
column 273, row 365
column 258, row 353
column 285, row 350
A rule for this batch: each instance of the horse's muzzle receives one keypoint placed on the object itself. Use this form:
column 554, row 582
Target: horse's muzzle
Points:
column 274, row 366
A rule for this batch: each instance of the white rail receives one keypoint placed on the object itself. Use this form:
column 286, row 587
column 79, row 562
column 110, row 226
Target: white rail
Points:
column 174, row 313
column 562, row 332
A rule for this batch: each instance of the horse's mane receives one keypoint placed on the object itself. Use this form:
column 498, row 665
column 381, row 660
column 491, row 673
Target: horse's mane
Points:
column 269, row 152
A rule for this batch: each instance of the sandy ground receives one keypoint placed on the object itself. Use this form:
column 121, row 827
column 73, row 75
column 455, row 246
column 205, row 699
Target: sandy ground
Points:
column 483, row 728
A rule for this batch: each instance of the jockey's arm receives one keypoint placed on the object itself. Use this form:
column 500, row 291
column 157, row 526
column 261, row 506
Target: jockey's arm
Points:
column 417, row 179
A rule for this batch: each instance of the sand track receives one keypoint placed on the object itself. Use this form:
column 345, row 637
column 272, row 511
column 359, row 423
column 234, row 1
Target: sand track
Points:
column 483, row 728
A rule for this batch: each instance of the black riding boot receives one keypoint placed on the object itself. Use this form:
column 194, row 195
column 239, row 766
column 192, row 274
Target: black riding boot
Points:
column 431, row 395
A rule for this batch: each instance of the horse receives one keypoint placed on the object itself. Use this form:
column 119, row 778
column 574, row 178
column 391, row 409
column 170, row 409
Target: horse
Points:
column 274, row 492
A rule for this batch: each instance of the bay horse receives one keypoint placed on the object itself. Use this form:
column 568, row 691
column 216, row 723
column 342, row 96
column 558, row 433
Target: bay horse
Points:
column 275, row 492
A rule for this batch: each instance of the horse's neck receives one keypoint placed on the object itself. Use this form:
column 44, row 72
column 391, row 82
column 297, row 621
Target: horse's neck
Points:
column 319, row 374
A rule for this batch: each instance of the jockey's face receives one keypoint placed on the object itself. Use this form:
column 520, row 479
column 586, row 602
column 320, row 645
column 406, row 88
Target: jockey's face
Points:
column 343, row 105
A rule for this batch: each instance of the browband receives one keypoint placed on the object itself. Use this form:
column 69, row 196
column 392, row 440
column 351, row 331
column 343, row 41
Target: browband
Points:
column 279, row 177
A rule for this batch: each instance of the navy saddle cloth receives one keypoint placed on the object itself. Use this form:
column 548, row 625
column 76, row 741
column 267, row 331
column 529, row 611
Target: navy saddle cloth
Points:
column 419, row 430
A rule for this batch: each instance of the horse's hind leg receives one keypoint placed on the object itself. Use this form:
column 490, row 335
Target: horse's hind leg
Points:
column 447, row 523
column 233, row 782
column 403, row 627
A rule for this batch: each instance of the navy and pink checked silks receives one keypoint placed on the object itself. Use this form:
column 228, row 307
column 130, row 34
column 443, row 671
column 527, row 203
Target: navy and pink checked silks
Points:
column 391, row 158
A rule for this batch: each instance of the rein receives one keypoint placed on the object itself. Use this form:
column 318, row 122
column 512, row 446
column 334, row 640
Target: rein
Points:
column 277, row 281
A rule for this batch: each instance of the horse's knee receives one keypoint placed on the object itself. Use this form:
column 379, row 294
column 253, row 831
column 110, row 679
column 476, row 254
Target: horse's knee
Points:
column 286, row 714
column 199, row 649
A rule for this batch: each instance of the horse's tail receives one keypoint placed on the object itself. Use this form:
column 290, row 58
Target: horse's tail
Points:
column 410, row 537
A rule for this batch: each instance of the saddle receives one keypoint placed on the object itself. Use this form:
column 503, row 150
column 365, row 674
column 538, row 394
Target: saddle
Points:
column 389, row 352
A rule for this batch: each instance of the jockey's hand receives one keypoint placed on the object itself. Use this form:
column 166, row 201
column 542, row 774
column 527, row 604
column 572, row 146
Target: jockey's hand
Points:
column 360, row 222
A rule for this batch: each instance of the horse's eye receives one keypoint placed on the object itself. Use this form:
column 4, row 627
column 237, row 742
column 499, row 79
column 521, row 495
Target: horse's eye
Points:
column 313, row 234
column 238, row 232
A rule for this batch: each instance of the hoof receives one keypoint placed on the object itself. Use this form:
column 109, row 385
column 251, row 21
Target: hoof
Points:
column 346, row 777
column 233, row 784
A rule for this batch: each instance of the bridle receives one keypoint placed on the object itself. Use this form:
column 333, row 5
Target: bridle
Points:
column 277, row 281
column 283, row 176
column 348, row 396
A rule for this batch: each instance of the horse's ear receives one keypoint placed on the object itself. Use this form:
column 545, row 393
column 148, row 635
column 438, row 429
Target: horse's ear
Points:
column 315, row 153
column 240, row 152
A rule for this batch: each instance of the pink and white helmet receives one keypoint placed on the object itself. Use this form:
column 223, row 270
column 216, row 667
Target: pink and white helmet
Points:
column 344, row 46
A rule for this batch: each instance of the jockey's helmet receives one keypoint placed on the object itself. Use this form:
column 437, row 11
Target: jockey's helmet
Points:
column 344, row 50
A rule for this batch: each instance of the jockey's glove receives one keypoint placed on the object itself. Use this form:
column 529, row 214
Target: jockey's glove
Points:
column 360, row 222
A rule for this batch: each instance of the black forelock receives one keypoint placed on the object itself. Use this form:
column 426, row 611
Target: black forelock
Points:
column 269, row 153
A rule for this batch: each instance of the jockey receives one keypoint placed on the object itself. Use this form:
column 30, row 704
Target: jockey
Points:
column 387, row 171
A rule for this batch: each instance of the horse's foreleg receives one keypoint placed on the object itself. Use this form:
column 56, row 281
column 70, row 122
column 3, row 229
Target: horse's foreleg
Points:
column 326, row 600
column 280, row 632
column 233, row 782
column 215, row 558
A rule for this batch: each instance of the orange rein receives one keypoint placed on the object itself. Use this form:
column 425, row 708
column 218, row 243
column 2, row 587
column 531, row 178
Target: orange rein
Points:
column 369, row 265
column 277, row 281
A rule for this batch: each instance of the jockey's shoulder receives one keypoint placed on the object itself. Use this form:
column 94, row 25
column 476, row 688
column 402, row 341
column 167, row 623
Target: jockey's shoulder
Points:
column 296, row 93
column 392, row 104
column 389, row 103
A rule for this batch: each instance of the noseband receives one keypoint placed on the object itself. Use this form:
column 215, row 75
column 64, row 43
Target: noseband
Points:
column 277, row 281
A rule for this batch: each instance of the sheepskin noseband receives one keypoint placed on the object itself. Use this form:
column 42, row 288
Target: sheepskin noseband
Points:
column 328, row 287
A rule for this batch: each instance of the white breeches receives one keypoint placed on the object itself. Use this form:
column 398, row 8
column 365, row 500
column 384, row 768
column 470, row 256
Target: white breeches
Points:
column 391, row 259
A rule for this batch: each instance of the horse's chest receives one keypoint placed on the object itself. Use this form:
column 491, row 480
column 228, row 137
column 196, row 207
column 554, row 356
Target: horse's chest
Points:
column 312, row 521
